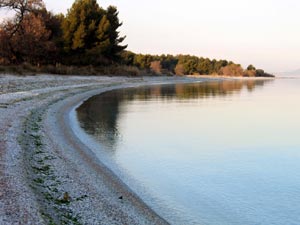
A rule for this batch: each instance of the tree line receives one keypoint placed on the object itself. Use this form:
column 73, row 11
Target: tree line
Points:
column 188, row 65
column 88, row 36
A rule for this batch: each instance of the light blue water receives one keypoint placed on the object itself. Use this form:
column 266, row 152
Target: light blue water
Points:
column 218, row 153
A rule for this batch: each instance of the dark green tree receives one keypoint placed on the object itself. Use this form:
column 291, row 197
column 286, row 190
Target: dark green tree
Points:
column 204, row 66
column 251, row 67
column 80, row 25
column 103, row 42
column 114, row 35
column 91, row 30
column 128, row 58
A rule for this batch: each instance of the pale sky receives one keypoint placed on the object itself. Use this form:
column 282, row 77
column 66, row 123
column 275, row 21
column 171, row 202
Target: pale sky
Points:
column 265, row 33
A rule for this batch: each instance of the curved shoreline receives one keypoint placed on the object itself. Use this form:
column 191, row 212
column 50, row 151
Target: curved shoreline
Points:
column 91, row 164
column 46, row 174
column 91, row 161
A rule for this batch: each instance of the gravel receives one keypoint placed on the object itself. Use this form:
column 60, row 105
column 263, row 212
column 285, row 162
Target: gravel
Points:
column 47, row 176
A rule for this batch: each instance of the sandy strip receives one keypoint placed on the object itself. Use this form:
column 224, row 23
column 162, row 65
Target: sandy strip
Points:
column 47, row 176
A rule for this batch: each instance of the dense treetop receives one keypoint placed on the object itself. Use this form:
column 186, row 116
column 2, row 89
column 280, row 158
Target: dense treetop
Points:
column 89, row 28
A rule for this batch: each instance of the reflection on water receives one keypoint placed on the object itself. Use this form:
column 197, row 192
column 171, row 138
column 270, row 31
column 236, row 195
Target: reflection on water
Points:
column 98, row 115
column 217, row 153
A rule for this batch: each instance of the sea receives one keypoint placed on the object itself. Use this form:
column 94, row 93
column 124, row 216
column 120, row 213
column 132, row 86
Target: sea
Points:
column 207, row 153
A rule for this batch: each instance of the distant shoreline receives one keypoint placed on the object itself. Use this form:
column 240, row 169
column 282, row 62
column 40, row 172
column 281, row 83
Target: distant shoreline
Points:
column 230, row 77
column 112, row 70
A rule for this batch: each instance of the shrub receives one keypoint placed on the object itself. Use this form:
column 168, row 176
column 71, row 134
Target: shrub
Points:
column 249, row 73
column 179, row 70
column 251, row 67
column 232, row 70
column 156, row 67
column 260, row 73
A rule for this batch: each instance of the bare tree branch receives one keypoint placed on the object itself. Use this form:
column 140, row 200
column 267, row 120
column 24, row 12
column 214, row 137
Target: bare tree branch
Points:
column 21, row 7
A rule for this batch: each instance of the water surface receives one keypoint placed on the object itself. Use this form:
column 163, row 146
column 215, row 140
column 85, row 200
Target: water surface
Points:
column 216, row 153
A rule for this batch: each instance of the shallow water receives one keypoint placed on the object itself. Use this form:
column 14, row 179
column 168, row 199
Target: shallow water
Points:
column 211, row 153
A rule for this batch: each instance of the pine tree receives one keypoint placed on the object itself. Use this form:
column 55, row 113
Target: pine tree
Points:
column 90, row 29
column 103, row 42
column 115, row 39
column 78, row 41
column 80, row 24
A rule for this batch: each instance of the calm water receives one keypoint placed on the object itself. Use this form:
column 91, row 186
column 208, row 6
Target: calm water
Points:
column 217, row 153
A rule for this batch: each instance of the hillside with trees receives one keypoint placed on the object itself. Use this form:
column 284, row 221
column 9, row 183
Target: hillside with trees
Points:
column 86, row 41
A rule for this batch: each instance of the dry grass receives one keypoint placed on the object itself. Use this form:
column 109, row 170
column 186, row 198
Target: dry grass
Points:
column 27, row 69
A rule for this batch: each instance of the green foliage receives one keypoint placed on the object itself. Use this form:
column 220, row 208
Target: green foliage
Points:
column 260, row 72
column 115, row 41
column 169, row 62
column 78, row 38
column 180, row 64
column 80, row 24
column 90, row 31
column 204, row 66
column 127, row 57
column 251, row 67
column 103, row 43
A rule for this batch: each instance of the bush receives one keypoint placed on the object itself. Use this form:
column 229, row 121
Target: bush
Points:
column 249, row 73
column 232, row 70
column 179, row 70
column 156, row 67
column 260, row 73
column 251, row 67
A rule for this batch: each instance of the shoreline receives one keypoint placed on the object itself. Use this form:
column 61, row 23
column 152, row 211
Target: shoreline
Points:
column 47, row 173
column 91, row 164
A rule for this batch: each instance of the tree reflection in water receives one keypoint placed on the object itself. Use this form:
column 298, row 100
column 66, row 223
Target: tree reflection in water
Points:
column 98, row 116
